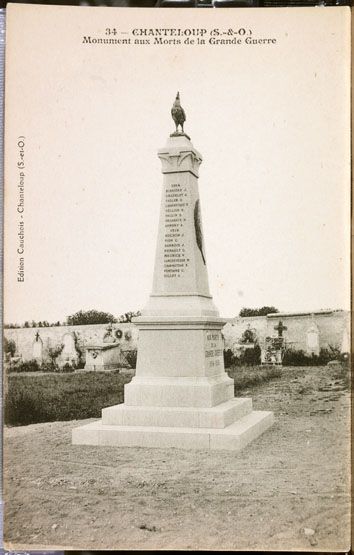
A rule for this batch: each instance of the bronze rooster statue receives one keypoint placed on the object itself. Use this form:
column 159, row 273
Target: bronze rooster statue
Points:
column 178, row 114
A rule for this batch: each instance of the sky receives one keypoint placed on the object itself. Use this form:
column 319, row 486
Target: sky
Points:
column 272, row 125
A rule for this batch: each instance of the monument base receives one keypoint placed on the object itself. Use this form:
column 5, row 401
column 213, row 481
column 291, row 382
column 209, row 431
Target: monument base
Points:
column 181, row 395
column 230, row 426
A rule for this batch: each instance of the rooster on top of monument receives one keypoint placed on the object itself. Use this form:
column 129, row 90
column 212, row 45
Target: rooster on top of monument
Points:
column 178, row 114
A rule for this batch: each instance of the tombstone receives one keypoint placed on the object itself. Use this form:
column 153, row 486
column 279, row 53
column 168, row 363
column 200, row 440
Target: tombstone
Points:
column 180, row 395
column 267, row 351
column 312, row 340
column 273, row 348
column 105, row 355
column 280, row 328
column 37, row 349
column 69, row 354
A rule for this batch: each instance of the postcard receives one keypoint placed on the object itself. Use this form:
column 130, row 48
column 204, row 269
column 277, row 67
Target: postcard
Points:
column 177, row 278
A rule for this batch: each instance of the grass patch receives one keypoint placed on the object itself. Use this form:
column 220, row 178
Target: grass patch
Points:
column 247, row 376
column 46, row 398
column 49, row 397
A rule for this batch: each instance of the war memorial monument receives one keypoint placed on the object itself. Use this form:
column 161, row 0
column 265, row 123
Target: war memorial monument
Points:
column 181, row 395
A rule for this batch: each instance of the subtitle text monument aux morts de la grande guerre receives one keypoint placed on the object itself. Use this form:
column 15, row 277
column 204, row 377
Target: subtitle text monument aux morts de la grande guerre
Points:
column 181, row 395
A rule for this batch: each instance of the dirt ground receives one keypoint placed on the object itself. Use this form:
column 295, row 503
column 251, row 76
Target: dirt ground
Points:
column 287, row 490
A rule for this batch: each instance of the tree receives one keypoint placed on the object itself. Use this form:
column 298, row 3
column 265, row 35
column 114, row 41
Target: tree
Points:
column 84, row 317
column 9, row 346
column 258, row 311
column 54, row 352
column 127, row 317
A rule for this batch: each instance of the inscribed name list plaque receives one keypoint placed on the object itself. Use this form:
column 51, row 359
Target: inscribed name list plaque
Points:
column 180, row 228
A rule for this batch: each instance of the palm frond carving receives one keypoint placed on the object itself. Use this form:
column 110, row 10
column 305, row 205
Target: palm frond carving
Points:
column 198, row 228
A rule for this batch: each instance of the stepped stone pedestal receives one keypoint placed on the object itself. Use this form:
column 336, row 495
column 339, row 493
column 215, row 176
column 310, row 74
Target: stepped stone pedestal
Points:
column 181, row 395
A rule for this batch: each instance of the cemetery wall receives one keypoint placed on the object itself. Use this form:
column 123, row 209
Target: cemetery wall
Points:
column 333, row 330
column 332, row 326
column 233, row 330
column 52, row 337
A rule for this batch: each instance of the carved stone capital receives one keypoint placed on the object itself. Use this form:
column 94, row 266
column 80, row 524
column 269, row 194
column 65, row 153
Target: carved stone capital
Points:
column 180, row 161
column 179, row 155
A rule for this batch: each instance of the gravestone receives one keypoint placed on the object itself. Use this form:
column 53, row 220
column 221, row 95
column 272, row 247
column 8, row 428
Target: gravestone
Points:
column 280, row 328
column 181, row 395
column 106, row 354
column 313, row 340
column 273, row 348
column 68, row 354
column 37, row 349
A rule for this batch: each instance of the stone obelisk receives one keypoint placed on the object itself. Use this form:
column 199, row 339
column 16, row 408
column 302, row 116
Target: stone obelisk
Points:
column 181, row 395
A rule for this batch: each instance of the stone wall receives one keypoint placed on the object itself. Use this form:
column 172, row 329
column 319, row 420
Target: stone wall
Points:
column 49, row 338
column 331, row 326
column 332, row 330
column 233, row 330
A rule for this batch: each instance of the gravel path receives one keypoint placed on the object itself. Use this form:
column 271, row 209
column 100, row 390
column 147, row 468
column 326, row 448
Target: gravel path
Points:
column 287, row 490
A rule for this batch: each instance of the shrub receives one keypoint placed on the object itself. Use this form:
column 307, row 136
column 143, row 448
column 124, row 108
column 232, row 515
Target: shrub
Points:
column 49, row 367
column 229, row 358
column 67, row 368
column 79, row 365
column 27, row 366
column 54, row 352
column 45, row 366
column 294, row 357
column 131, row 357
column 250, row 357
column 9, row 347
column 331, row 353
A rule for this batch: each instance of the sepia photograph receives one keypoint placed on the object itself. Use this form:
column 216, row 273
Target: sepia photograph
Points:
column 177, row 279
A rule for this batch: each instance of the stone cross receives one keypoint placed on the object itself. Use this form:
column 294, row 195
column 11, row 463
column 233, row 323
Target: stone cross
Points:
column 280, row 328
